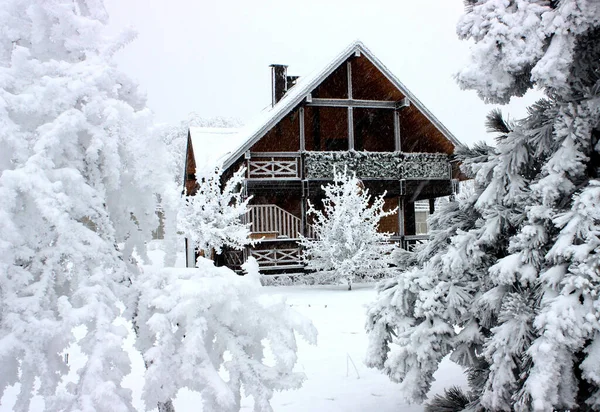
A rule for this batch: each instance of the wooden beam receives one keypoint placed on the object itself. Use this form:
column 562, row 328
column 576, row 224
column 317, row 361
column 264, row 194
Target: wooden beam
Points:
column 350, row 128
column 400, row 215
column 397, row 139
column 273, row 154
column 349, row 72
column 410, row 227
column 302, row 132
column 366, row 104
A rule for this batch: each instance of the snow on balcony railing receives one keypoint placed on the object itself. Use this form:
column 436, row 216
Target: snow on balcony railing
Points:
column 378, row 165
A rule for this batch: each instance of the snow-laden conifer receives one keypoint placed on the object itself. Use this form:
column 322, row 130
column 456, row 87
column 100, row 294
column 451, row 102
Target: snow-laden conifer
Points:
column 411, row 325
column 347, row 243
column 77, row 178
column 216, row 333
column 530, row 335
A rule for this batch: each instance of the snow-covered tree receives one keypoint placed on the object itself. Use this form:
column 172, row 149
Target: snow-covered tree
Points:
column 175, row 138
column 217, row 333
column 77, row 178
column 530, row 267
column 347, row 244
column 214, row 216
column 411, row 325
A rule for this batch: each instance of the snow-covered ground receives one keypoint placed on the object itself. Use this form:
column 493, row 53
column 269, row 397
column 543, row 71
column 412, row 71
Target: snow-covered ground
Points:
column 337, row 379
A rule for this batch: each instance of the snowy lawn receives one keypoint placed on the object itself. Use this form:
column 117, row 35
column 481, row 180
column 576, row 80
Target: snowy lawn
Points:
column 337, row 379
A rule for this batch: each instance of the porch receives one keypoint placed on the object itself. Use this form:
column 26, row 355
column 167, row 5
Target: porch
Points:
column 276, row 233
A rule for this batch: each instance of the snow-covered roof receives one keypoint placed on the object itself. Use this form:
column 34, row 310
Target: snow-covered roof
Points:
column 250, row 134
column 213, row 145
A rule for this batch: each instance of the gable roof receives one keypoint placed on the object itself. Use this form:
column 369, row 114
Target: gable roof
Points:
column 249, row 135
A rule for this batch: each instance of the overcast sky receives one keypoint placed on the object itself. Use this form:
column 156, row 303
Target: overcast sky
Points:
column 212, row 57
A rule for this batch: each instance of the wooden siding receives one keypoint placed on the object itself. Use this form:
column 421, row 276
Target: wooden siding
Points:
column 283, row 137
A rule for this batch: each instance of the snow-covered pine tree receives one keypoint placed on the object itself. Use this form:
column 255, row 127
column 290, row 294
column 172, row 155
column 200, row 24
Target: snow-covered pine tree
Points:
column 75, row 181
column 534, row 333
column 552, row 271
column 347, row 243
column 201, row 322
column 214, row 216
column 411, row 324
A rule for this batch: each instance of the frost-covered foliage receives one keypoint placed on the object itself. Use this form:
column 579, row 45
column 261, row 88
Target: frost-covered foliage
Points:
column 77, row 177
column 216, row 333
column 214, row 216
column 347, row 244
column 524, row 43
column 526, row 260
column 175, row 138
column 411, row 325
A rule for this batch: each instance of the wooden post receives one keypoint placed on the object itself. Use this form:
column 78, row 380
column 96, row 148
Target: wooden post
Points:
column 350, row 109
column 349, row 72
column 397, row 139
column 302, row 132
column 303, row 207
column 401, row 216
column 410, row 226
column 431, row 206
column 350, row 129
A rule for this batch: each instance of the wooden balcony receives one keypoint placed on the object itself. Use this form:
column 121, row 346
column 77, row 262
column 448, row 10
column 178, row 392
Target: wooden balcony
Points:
column 273, row 165
column 367, row 165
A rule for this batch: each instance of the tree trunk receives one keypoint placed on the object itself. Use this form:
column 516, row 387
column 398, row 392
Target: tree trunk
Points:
column 349, row 283
column 166, row 406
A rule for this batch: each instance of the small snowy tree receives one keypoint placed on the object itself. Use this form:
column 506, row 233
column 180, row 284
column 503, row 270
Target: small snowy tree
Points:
column 175, row 138
column 77, row 178
column 347, row 243
column 531, row 334
column 218, row 334
column 214, row 216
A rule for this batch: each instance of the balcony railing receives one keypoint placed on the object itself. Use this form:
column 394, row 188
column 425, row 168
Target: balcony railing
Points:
column 273, row 166
column 378, row 165
column 278, row 258
column 272, row 222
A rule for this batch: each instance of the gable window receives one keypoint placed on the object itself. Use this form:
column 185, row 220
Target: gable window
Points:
column 326, row 128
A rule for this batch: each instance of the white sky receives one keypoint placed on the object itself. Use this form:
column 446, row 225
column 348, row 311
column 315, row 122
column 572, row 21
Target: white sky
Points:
column 212, row 56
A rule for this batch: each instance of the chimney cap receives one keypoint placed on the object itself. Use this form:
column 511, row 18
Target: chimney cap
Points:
column 278, row 65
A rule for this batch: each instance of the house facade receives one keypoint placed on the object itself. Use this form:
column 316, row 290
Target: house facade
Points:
column 352, row 114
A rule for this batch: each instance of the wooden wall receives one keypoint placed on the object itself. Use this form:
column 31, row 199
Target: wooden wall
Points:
column 283, row 137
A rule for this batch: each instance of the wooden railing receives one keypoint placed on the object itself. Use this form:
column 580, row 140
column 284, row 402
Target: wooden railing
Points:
column 275, row 221
column 273, row 165
column 278, row 258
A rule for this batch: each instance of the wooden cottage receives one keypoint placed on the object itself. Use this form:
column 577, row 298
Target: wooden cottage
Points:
column 353, row 113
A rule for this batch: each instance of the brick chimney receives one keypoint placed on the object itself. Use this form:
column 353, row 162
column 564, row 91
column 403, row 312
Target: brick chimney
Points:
column 278, row 82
